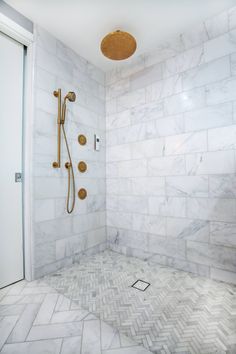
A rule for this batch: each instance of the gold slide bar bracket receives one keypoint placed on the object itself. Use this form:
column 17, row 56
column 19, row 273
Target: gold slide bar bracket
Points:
column 57, row 164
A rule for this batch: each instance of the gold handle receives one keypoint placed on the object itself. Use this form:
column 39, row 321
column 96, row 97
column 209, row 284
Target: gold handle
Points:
column 82, row 193
column 82, row 166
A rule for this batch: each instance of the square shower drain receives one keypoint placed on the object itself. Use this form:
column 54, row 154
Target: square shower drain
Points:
column 141, row 285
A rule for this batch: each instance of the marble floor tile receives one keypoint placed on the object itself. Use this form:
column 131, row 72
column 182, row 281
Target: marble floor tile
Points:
column 178, row 313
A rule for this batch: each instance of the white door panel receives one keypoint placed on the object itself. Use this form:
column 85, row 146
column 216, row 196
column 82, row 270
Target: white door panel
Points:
column 11, row 107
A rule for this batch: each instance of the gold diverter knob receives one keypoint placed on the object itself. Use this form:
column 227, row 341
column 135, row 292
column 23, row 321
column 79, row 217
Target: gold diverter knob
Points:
column 82, row 193
column 82, row 166
column 82, row 139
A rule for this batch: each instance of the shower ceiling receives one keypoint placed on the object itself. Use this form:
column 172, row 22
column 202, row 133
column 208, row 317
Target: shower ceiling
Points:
column 81, row 24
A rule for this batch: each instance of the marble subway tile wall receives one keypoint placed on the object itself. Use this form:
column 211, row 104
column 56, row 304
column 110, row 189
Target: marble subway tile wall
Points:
column 171, row 144
column 60, row 238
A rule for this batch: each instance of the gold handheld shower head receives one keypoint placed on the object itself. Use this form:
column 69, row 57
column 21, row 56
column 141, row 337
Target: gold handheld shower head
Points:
column 71, row 96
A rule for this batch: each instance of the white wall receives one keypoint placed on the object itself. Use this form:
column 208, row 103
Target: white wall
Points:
column 171, row 139
column 60, row 238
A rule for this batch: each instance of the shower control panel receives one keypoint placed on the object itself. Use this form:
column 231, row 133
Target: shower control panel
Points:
column 96, row 142
column 18, row 177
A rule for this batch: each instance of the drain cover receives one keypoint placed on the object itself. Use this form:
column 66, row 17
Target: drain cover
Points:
column 141, row 285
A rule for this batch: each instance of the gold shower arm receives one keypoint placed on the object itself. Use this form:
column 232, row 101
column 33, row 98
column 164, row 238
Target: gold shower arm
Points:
column 57, row 164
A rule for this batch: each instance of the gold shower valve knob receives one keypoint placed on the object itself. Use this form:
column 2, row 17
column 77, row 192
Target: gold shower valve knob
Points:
column 82, row 193
column 82, row 139
column 82, row 166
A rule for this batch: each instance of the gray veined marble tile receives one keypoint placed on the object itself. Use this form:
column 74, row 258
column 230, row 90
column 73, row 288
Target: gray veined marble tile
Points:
column 212, row 209
column 71, row 345
column 91, row 341
column 187, row 186
column 185, row 101
column 186, row 143
column 206, row 73
column 46, row 310
column 223, row 233
column 56, row 330
column 37, row 347
column 164, row 88
column 219, row 162
column 184, row 61
column 166, row 166
column 6, row 326
column 212, row 255
column 69, row 316
column 209, row 117
column 217, row 25
column 188, row 229
column 223, row 138
column 195, row 36
column 144, row 113
column 110, row 337
column 146, row 76
column 167, row 206
column 220, row 46
column 24, row 324
column 222, row 186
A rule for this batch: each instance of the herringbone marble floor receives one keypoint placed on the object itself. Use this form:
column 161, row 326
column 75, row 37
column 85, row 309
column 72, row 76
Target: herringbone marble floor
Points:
column 178, row 313
column 35, row 319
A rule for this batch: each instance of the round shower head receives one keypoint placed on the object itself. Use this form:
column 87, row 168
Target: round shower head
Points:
column 118, row 45
column 71, row 96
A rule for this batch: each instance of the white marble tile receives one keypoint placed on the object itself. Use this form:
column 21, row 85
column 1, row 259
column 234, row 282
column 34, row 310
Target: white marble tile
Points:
column 186, row 143
column 132, row 350
column 210, row 163
column 209, row 117
column 91, row 341
column 144, row 113
column 164, row 50
column 118, row 120
column 223, row 275
column 188, row 229
column 212, row 209
column 171, row 125
column 110, row 338
column 167, row 206
column 232, row 17
column 166, row 246
column 44, row 210
column 184, row 61
column 132, row 168
column 149, row 223
column 221, row 92
column 69, row 316
column 216, row 256
column 6, row 326
column 166, row 166
column 222, row 186
column 71, row 345
column 119, row 219
column 146, row 76
column 46, row 310
column 52, row 331
column 206, row 73
column 186, row 101
column 45, row 40
column 131, row 99
column 223, row 138
column 220, row 46
column 187, row 186
column 164, row 88
column 195, row 36
column 217, row 25
column 24, row 324
column 148, row 186
column 222, row 233
column 132, row 204
column 37, row 347
column 147, row 148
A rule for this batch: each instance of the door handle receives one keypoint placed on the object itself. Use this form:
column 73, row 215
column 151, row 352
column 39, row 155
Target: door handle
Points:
column 18, row 177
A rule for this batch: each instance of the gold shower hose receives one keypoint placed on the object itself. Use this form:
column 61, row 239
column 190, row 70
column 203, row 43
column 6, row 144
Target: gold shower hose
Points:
column 69, row 167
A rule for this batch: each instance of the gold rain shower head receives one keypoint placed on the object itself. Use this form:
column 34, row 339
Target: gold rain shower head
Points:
column 118, row 45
